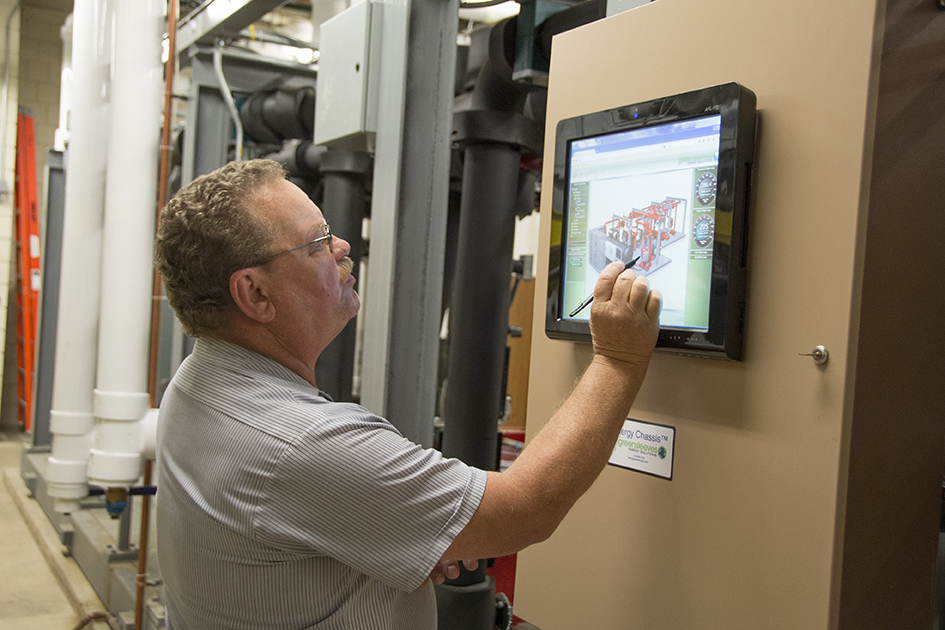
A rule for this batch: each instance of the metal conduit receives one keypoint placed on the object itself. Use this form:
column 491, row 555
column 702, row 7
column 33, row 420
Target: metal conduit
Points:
column 228, row 98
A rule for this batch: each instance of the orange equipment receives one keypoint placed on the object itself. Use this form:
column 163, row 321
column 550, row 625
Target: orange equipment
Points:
column 27, row 264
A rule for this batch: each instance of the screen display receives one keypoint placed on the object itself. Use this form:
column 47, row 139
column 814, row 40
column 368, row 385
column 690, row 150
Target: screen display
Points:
column 646, row 194
column 664, row 184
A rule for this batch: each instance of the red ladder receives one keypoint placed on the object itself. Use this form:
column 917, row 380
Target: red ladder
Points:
column 27, row 264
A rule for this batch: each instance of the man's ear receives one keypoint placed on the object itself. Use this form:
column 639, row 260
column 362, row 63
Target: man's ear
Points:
column 250, row 296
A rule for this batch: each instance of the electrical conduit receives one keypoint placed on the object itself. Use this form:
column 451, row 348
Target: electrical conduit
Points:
column 228, row 98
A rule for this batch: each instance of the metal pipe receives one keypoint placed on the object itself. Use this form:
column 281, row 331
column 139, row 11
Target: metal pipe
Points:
column 141, row 579
column 166, row 151
column 124, row 527
column 228, row 97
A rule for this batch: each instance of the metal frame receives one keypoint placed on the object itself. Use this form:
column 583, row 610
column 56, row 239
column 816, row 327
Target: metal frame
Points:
column 55, row 195
column 408, row 214
column 216, row 19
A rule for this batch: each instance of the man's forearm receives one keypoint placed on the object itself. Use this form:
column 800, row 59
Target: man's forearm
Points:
column 568, row 454
column 524, row 505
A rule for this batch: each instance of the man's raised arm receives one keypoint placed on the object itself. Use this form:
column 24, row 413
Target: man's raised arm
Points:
column 525, row 504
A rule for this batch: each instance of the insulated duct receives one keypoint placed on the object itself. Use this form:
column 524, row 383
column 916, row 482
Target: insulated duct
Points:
column 301, row 158
column 492, row 132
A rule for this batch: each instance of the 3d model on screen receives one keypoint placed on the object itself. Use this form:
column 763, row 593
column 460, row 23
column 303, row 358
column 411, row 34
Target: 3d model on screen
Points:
column 642, row 233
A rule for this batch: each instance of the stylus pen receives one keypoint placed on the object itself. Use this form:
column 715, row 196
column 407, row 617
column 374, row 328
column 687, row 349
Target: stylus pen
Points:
column 590, row 298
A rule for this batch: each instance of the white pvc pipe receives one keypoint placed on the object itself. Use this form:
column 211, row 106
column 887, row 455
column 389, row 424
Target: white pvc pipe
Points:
column 77, row 328
column 121, row 394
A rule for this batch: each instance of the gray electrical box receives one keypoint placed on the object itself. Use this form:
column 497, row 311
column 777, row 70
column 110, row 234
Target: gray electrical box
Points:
column 348, row 77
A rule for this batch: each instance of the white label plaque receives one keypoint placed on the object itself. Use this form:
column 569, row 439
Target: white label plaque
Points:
column 646, row 448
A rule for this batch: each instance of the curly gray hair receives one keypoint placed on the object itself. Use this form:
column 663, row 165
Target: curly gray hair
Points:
column 205, row 233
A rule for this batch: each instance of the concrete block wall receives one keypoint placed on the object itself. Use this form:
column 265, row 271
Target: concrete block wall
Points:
column 40, row 69
column 34, row 69
column 9, row 23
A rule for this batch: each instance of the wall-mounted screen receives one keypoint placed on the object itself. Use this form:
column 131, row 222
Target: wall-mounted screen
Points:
column 663, row 183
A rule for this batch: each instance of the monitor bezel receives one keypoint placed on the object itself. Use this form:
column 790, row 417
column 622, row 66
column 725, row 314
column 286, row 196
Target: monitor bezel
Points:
column 737, row 107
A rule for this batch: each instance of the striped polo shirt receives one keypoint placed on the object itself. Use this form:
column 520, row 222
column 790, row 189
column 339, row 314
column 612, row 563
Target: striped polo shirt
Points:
column 281, row 509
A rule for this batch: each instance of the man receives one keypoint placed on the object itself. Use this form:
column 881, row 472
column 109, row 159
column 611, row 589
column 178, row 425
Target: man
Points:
column 281, row 509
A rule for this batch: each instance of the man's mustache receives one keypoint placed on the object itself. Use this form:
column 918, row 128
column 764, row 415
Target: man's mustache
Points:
column 345, row 267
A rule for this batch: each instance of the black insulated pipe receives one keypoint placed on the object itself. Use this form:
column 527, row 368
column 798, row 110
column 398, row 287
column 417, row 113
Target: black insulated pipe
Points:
column 466, row 607
column 492, row 132
column 301, row 159
column 479, row 311
column 273, row 115
column 344, row 176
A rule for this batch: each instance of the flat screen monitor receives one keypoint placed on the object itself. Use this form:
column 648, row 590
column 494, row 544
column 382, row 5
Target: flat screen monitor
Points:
column 666, row 183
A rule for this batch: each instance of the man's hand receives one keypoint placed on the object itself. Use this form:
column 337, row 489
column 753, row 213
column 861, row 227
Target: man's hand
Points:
column 448, row 570
column 625, row 316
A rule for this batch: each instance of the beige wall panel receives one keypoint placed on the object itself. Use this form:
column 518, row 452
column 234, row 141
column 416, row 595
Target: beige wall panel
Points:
column 743, row 536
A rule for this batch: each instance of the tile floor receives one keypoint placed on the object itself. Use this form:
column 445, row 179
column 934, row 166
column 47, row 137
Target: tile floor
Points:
column 41, row 589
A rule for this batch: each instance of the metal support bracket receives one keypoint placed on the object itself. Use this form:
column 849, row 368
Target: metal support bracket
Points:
column 217, row 19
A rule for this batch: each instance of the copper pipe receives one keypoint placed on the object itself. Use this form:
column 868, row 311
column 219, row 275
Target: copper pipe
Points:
column 156, row 303
column 142, row 576
column 162, row 191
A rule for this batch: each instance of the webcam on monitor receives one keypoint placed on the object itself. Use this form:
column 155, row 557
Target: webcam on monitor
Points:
column 666, row 183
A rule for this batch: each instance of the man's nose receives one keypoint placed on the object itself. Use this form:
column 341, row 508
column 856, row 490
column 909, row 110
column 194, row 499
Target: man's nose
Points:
column 340, row 247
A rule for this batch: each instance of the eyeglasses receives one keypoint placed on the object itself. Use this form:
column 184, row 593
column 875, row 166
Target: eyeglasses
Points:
column 325, row 237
